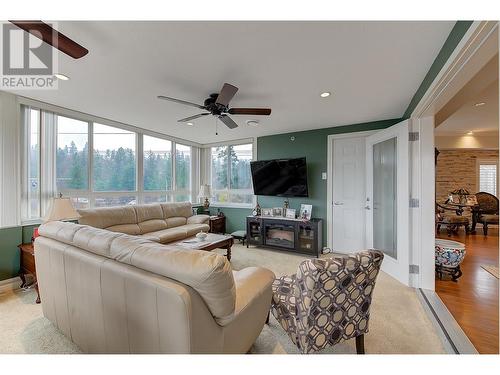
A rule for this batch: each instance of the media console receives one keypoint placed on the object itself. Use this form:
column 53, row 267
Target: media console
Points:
column 286, row 234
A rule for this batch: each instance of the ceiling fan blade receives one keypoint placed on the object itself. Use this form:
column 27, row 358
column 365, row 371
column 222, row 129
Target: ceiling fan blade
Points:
column 228, row 121
column 250, row 111
column 193, row 117
column 181, row 101
column 226, row 94
column 58, row 40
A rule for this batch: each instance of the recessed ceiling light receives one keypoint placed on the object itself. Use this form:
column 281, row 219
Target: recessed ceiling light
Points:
column 252, row 122
column 470, row 133
column 325, row 94
column 189, row 123
column 62, row 77
column 479, row 104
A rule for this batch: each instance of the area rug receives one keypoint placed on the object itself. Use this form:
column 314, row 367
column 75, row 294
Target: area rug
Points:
column 398, row 322
column 491, row 269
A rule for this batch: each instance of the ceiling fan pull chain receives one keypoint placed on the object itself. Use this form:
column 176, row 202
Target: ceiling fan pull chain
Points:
column 216, row 131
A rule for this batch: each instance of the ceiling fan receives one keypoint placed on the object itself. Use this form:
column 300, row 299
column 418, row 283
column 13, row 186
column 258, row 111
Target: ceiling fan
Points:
column 218, row 105
column 58, row 40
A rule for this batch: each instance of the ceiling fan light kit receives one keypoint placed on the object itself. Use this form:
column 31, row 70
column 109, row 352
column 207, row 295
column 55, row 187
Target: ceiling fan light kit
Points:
column 217, row 105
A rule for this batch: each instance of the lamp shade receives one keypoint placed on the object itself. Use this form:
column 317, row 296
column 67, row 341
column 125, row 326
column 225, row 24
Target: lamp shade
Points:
column 205, row 191
column 61, row 209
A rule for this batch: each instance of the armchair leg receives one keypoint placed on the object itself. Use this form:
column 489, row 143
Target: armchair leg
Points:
column 360, row 344
column 485, row 229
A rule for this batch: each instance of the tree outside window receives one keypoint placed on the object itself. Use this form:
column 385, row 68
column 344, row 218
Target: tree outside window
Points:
column 231, row 178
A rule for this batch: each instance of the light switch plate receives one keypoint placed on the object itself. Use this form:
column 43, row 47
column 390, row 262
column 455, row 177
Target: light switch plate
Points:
column 323, row 175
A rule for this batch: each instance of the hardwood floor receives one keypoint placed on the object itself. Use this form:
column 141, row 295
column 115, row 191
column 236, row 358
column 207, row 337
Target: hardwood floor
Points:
column 473, row 299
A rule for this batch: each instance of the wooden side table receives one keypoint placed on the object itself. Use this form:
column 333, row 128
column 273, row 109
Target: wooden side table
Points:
column 27, row 265
column 217, row 224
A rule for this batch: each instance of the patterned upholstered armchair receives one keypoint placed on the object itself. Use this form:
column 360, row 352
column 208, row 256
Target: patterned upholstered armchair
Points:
column 486, row 211
column 328, row 300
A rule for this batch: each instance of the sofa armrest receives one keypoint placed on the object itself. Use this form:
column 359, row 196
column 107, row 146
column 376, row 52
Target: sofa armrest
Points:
column 253, row 284
column 198, row 219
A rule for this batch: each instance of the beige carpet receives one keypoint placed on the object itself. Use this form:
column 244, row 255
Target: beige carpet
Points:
column 492, row 269
column 398, row 323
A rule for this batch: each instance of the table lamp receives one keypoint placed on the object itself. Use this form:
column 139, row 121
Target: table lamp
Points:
column 205, row 192
column 61, row 209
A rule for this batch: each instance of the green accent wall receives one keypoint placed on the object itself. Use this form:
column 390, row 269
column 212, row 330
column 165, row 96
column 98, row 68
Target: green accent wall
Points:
column 235, row 217
column 449, row 46
column 9, row 253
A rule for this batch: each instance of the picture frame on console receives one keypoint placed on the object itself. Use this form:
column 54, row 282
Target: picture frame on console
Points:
column 290, row 213
column 278, row 211
column 267, row 212
column 305, row 211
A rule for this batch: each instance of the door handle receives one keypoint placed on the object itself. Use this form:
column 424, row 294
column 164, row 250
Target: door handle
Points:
column 338, row 203
column 367, row 208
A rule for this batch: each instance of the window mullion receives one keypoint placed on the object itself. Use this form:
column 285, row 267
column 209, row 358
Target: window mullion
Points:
column 140, row 167
column 174, row 179
column 228, row 167
column 90, row 168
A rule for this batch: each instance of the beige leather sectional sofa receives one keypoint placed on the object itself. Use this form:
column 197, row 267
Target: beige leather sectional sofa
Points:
column 111, row 292
column 162, row 222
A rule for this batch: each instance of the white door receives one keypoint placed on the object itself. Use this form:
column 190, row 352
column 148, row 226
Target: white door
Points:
column 348, row 194
column 387, row 198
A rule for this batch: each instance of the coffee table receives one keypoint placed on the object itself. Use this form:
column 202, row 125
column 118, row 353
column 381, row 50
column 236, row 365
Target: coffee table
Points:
column 212, row 241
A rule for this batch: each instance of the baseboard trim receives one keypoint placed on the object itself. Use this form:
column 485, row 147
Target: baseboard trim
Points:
column 452, row 335
column 10, row 284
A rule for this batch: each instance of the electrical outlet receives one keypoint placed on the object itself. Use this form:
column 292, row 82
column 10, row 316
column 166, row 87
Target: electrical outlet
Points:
column 323, row 175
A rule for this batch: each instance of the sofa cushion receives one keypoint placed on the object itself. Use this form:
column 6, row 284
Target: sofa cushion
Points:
column 108, row 216
column 152, row 225
column 146, row 212
column 198, row 219
column 192, row 229
column 176, row 221
column 166, row 235
column 177, row 209
column 132, row 229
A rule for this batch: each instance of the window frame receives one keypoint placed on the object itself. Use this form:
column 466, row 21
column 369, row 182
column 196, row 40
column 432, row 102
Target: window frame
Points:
column 491, row 161
column 48, row 172
column 26, row 160
column 228, row 190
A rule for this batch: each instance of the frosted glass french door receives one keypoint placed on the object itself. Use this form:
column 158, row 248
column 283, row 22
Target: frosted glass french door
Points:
column 387, row 198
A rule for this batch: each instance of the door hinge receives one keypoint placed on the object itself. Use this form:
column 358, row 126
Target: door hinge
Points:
column 413, row 136
column 414, row 203
column 414, row 269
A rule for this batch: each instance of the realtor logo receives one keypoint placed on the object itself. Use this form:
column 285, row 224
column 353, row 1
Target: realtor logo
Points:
column 27, row 61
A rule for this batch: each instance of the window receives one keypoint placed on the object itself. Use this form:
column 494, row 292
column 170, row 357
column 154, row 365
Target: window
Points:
column 157, row 164
column 231, row 178
column 488, row 177
column 114, row 166
column 182, row 173
column 96, row 164
column 33, row 164
column 72, row 155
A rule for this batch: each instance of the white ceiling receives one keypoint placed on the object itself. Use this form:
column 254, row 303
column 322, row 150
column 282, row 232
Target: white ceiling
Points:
column 372, row 69
column 482, row 120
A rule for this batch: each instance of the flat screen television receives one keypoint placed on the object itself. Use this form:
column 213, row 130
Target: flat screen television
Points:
column 280, row 177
